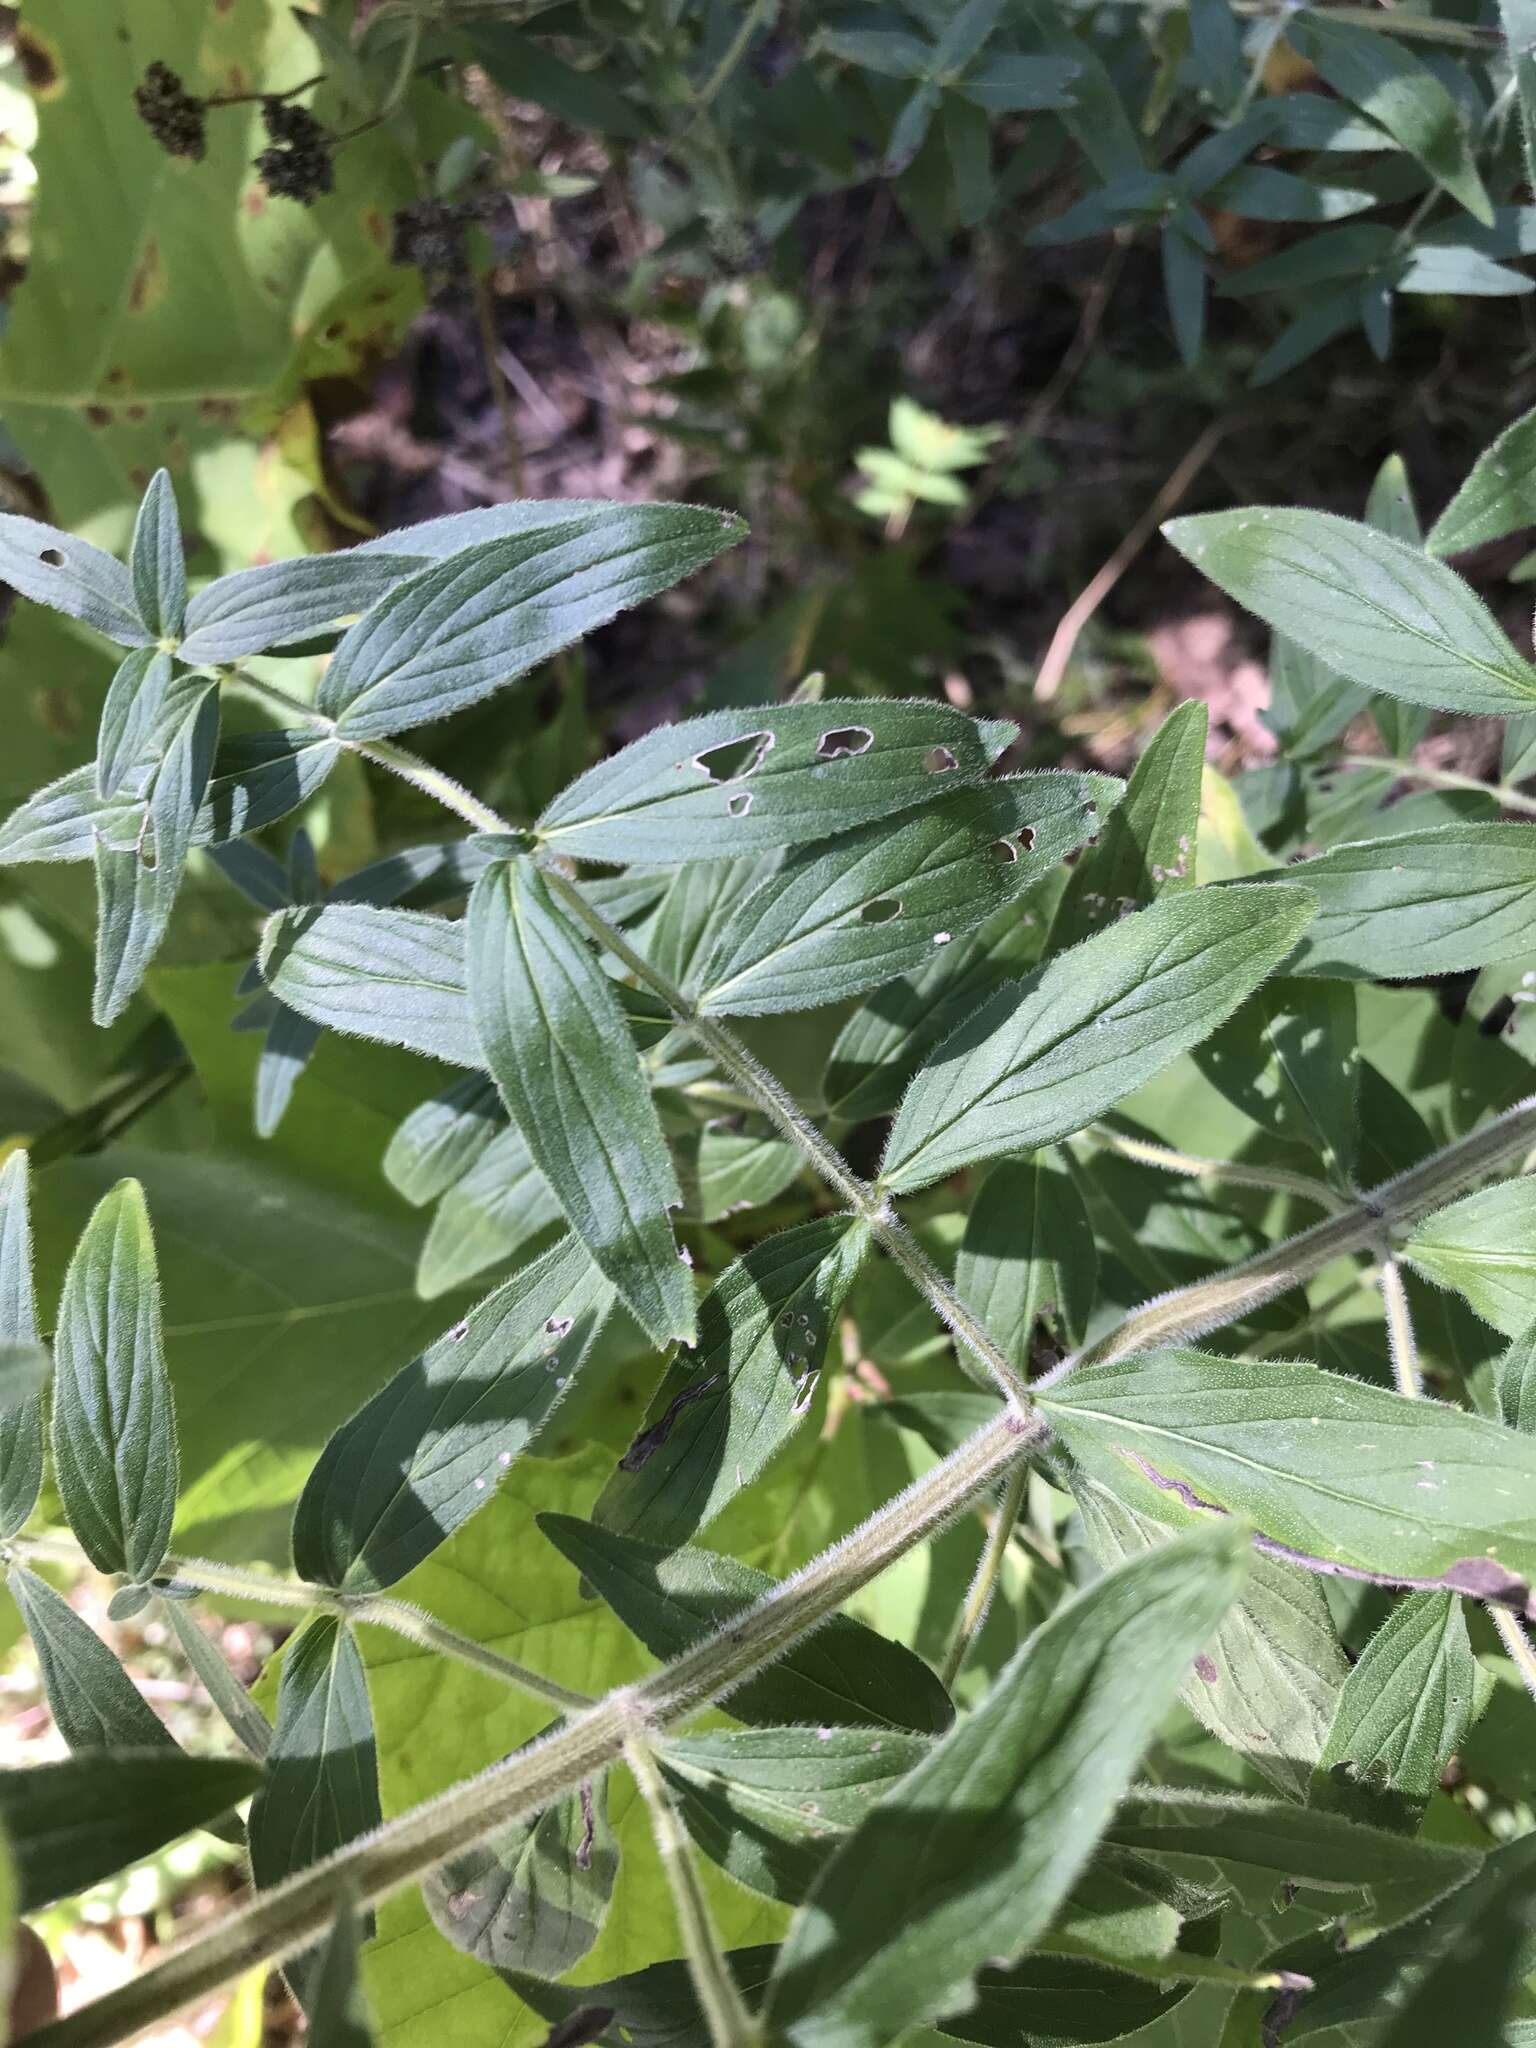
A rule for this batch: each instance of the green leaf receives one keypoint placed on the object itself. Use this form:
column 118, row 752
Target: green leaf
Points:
column 136, row 890
column 842, row 1676
column 1514, row 1382
column 1046, row 1056
column 969, row 1858
column 440, row 1142
column 338, row 2012
column 1498, row 496
column 24, row 1371
column 843, row 917
column 555, row 1040
column 1345, row 1476
column 430, row 1447
column 726, row 1407
column 1466, row 1996
column 533, row 1897
column 114, row 1423
column 95, row 1704
column 1028, row 1254
column 133, row 717
column 656, row 2007
column 737, row 781
column 321, row 1785
column 56, row 569
column 770, row 1805
column 276, row 602
column 1376, row 611
column 1147, row 845
column 21, row 1426
column 453, row 633
column 501, row 1205
column 1004, row 82
column 1436, row 901
column 223, row 1687
column 584, row 99
column 393, row 975
column 156, row 564
column 1289, row 1059
column 1402, row 1713
column 1485, row 1247
column 73, row 1823
column 1268, row 1684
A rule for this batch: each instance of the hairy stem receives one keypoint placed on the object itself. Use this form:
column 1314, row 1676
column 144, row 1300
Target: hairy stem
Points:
column 1518, row 1644
column 1401, row 1341
column 1277, row 1179
column 1504, row 794
column 729, row 2022
column 988, row 1571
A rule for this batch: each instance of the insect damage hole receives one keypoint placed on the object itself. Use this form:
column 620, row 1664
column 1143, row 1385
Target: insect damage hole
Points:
column 739, row 802
column 844, row 740
column 939, row 761
column 54, row 557
column 734, row 759
column 881, row 911
column 1004, row 852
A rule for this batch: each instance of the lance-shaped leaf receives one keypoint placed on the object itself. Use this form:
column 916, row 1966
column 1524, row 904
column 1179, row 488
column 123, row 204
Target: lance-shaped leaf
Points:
column 70, row 1824
column 1402, row 1713
column 259, row 777
column 1147, row 845
column 442, row 1138
column 1269, row 1680
column 114, row 1422
column 1514, row 1382
column 277, row 602
column 393, row 975
column 54, row 568
column 533, row 1897
column 557, row 1046
column 1435, row 901
column 770, row 1805
column 156, row 565
column 1485, row 1247
column 1028, row 1254
column 1498, row 497
column 1348, row 1477
column 1044, row 1057
column 969, row 1858
column 842, row 1676
column 136, row 891
column 500, row 1205
column 132, row 715
column 841, row 918
column 1375, row 610
column 414, row 1464
column 95, row 1704
column 652, row 2008
column 338, row 2012
column 737, row 781
column 728, row 1405
column 1290, row 1060
column 321, row 1783
column 21, row 1424
column 454, row 632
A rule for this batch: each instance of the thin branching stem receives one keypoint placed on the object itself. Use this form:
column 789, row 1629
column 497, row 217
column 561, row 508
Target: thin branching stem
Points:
column 1401, row 1341
column 1518, row 1644
column 1276, row 1179
column 988, row 1571
column 1504, row 794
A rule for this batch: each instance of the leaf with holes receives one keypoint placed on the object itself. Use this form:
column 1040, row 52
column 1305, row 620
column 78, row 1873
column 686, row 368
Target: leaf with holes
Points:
column 1046, row 1056
column 70, row 575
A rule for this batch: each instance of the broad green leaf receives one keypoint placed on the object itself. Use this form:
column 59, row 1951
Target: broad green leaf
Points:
column 95, row 1704
column 1485, row 1247
column 722, row 1171
column 1403, row 1711
column 452, row 633
column 1051, row 1998
column 1289, row 1059
column 440, row 1141
column 70, row 575
column 532, row 1898
column 738, row 781
column 555, row 1041
column 1028, row 1254
column 769, row 1805
column 276, row 602
column 1347, row 1476
column 1376, row 611
column 320, row 1787
column 136, row 890
column 728, row 1405
column 338, row 2012
column 114, row 1422
column 862, row 909
column 136, row 703
column 1498, row 496
column 1436, row 901
column 1514, row 1382
column 21, row 1425
column 156, row 564
column 25, row 1370
column 969, row 1857
column 842, row 1676
column 393, row 975
column 430, row 1447
column 1468, row 1995
column 501, row 1205
column 1004, row 82
column 1147, row 844
column 1268, row 1683
column 700, row 901
column 1046, row 1056
column 73, row 1823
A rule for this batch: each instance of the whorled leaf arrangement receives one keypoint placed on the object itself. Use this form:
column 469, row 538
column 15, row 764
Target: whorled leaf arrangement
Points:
column 982, row 1862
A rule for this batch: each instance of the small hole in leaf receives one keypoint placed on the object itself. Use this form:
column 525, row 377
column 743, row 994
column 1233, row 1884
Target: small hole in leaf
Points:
column 1004, row 852
column 939, row 761
column 942, row 938
column 734, row 758
column 557, row 1326
column 1092, row 809
column 739, row 803
column 53, row 557
column 1027, row 838
column 881, row 911
column 846, row 739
